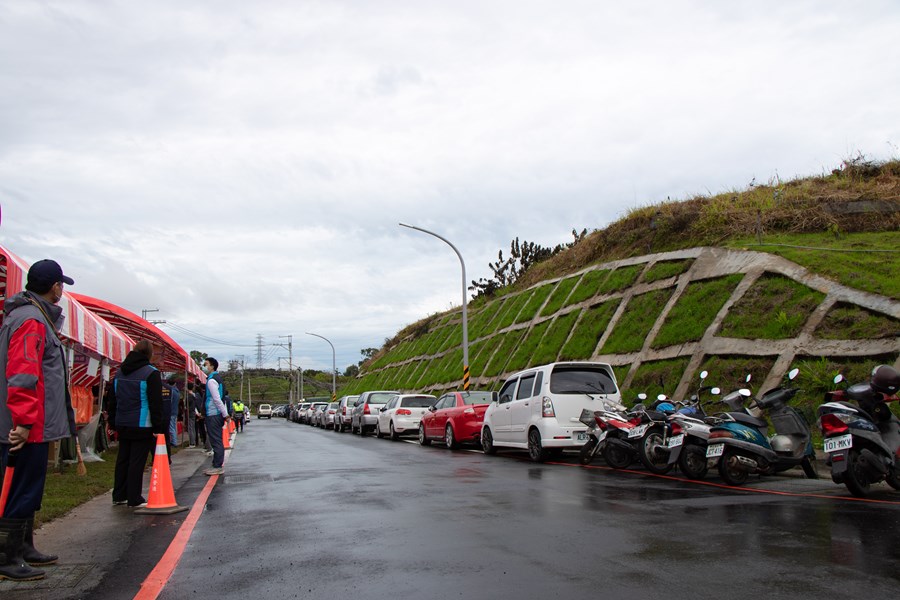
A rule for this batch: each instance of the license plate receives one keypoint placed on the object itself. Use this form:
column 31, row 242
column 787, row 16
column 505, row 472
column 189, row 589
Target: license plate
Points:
column 581, row 436
column 637, row 431
column 715, row 450
column 841, row 442
column 675, row 441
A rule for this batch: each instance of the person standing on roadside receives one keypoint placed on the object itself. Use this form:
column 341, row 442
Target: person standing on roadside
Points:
column 35, row 409
column 173, row 418
column 136, row 415
column 216, row 414
column 189, row 416
column 239, row 415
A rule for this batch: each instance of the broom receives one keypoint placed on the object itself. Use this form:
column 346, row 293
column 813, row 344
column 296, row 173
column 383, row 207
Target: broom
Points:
column 81, row 469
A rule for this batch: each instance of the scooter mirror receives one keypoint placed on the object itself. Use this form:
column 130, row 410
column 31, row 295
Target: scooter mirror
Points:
column 744, row 392
column 838, row 378
column 642, row 396
column 715, row 391
column 793, row 373
column 661, row 397
column 748, row 378
column 703, row 375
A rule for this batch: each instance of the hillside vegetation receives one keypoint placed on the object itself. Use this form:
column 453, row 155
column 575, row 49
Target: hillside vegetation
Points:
column 651, row 295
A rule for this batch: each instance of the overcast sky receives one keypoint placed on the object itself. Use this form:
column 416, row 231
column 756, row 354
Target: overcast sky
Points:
column 242, row 166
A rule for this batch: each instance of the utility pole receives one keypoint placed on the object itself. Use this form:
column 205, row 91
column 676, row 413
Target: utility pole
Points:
column 290, row 346
column 300, row 372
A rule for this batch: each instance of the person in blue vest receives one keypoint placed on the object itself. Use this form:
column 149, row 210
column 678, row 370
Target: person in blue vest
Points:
column 136, row 415
column 216, row 414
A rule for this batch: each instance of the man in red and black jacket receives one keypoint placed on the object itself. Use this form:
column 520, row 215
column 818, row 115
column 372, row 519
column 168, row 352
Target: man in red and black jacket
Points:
column 35, row 409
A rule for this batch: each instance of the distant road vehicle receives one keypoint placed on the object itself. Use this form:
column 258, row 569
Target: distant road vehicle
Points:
column 456, row 418
column 402, row 414
column 264, row 410
column 538, row 409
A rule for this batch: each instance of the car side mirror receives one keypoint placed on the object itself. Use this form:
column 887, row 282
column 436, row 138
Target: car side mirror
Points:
column 432, row 409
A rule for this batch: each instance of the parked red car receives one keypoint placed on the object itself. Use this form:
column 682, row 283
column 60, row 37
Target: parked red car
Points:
column 455, row 419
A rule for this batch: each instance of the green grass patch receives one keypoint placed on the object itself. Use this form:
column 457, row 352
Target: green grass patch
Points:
column 589, row 330
column 530, row 310
column 521, row 358
column 559, row 295
column 65, row 489
column 621, row 372
column 874, row 272
column 695, row 310
column 511, row 311
column 507, row 344
column 589, row 286
column 851, row 322
column 478, row 325
column 775, row 307
column 654, row 378
column 667, row 268
column 554, row 338
column 636, row 322
column 817, row 377
column 621, row 278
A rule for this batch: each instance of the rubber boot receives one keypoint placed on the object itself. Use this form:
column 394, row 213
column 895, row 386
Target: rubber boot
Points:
column 32, row 555
column 12, row 539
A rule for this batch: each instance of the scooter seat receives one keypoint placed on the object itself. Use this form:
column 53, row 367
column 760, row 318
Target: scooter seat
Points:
column 750, row 420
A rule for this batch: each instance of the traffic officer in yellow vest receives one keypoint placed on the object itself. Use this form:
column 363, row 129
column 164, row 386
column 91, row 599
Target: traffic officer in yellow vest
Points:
column 239, row 410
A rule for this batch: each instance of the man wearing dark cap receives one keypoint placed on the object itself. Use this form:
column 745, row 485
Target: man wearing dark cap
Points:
column 35, row 409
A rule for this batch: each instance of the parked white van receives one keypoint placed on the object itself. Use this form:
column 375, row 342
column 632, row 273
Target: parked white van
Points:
column 538, row 409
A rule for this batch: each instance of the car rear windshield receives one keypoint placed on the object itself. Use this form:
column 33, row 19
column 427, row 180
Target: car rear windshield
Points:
column 581, row 380
column 380, row 398
column 417, row 401
column 476, row 397
column 319, row 404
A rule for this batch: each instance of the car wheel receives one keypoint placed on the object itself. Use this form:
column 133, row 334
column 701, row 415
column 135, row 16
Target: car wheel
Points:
column 692, row 461
column 362, row 429
column 394, row 436
column 487, row 441
column 378, row 433
column 423, row 440
column 730, row 469
column 448, row 438
column 536, row 451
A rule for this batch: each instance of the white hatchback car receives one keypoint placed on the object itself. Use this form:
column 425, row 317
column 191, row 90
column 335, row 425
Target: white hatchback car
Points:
column 538, row 409
column 402, row 414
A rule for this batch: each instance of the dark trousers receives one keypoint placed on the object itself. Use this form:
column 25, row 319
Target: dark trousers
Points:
column 239, row 422
column 214, row 425
column 27, row 486
column 129, row 478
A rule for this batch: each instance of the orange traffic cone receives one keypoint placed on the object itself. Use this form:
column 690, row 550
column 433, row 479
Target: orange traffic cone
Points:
column 161, row 499
column 231, row 426
column 225, row 437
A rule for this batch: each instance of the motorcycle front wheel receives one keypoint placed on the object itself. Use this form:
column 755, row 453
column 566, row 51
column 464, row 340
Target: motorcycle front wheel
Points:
column 651, row 453
column 692, row 462
column 730, row 469
column 586, row 456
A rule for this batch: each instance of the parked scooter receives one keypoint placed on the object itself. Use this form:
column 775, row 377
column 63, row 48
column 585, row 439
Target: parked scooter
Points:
column 598, row 423
column 696, row 425
column 863, row 441
column 644, row 434
column 741, row 446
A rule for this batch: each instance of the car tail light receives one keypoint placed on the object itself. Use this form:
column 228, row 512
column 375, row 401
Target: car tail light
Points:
column 720, row 434
column 600, row 423
column 344, row 410
column 677, row 429
column 548, row 408
column 366, row 409
column 832, row 424
column 331, row 411
column 404, row 411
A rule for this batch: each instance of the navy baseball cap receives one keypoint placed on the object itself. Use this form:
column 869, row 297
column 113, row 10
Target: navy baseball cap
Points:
column 47, row 272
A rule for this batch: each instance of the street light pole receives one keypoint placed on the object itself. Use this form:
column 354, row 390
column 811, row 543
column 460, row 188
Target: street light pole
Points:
column 465, row 316
column 333, row 366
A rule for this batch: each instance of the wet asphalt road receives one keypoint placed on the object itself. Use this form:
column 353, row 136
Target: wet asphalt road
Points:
column 307, row 513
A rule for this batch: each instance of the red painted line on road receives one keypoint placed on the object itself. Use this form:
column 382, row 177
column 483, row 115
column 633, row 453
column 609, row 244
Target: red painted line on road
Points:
column 731, row 487
column 153, row 585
